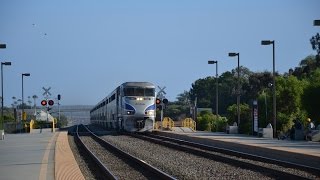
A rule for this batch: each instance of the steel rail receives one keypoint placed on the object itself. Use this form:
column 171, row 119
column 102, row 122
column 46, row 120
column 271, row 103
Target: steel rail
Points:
column 157, row 173
column 310, row 169
column 101, row 166
column 265, row 170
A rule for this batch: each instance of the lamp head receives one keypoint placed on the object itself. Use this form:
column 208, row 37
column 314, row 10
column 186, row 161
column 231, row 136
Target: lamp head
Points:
column 232, row 54
column 212, row 62
column 266, row 42
column 6, row 63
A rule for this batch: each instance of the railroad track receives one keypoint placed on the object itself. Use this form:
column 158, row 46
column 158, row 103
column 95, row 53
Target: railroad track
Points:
column 113, row 162
column 270, row 167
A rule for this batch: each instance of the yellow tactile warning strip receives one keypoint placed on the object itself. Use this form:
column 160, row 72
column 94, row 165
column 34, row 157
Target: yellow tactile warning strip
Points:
column 66, row 166
column 45, row 160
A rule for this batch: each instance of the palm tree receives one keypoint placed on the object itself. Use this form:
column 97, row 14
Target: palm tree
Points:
column 20, row 103
column 35, row 104
column 14, row 98
column 29, row 101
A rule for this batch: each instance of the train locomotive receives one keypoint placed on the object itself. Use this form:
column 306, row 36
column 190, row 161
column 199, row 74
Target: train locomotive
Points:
column 130, row 107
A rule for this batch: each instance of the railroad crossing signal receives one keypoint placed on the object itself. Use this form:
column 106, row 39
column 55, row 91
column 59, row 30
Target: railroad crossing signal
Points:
column 43, row 102
column 161, row 103
column 47, row 102
column 165, row 101
column 161, row 92
column 46, row 92
column 51, row 102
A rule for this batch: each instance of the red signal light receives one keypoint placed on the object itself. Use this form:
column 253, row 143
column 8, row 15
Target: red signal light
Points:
column 158, row 101
column 51, row 102
column 43, row 102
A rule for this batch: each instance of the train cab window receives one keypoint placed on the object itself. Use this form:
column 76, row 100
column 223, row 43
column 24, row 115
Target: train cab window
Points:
column 149, row 92
column 128, row 91
column 138, row 91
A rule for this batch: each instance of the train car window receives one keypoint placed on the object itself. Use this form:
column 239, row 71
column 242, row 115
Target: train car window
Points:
column 149, row 92
column 113, row 97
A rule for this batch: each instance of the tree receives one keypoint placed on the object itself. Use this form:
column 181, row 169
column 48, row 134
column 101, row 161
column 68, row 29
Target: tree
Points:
column 311, row 96
column 227, row 91
column 35, row 97
column 265, row 107
column 183, row 98
column 306, row 67
column 7, row 115
column 204, row 89
column 207, row 121
column 257, row 82
column 289, row 107
column 178, row 109
column 175, row 111
column 245, row 114
column 201, row 89
column 204, row 121
column 315, row 43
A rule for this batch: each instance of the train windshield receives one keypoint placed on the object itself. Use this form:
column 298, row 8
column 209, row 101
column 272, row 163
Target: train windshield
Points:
column 138, row 91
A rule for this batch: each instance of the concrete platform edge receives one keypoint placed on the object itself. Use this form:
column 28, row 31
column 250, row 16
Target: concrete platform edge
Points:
column 66, row 166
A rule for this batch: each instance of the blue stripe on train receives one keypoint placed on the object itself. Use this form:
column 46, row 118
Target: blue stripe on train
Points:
column 152, row 107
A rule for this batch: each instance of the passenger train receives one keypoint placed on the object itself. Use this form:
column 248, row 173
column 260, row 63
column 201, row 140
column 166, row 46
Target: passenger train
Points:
column 130, row 107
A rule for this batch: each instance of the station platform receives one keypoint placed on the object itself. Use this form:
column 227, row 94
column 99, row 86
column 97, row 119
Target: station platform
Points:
column 35, row 155
column 302, row 152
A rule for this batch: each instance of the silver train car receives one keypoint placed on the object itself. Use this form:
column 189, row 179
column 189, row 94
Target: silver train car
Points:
column 130, row 107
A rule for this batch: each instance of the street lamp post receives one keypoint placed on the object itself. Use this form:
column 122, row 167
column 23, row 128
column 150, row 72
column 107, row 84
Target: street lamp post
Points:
column 23, row 74
column 217, row 95
column 232, row 54
column 2, row 117
column 268, row 42
column 2, row 46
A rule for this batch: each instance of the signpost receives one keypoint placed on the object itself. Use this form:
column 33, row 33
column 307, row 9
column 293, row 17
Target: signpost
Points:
column 161, row 101
column 46, row 94
column 255, row 128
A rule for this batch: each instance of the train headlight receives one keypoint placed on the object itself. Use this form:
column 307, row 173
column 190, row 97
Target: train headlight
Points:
column 150, row 112
column 129, row 109
column 139, row 99
column 130, row 112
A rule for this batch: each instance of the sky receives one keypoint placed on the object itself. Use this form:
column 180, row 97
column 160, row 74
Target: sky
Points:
column 85, row 49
